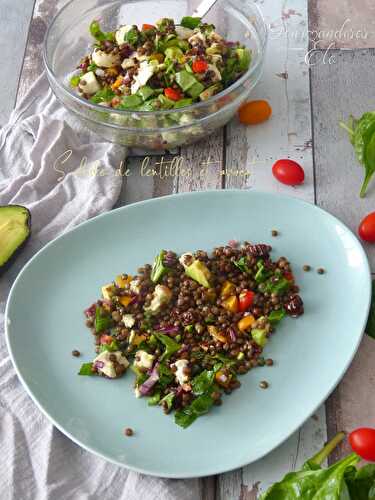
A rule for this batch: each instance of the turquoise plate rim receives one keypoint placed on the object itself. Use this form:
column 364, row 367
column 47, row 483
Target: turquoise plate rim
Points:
column 212, row 470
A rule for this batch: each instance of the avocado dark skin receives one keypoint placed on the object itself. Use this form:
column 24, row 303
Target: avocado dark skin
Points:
column 15, row 230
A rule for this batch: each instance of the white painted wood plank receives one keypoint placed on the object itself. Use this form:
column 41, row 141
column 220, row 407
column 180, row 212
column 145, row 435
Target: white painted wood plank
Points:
column 285, row 84
column 14, row 26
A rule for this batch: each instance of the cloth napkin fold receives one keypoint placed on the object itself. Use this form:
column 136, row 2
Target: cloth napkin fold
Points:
column 43, row 155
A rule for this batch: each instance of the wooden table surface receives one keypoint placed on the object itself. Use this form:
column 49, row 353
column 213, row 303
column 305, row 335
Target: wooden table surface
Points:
column 308, row 100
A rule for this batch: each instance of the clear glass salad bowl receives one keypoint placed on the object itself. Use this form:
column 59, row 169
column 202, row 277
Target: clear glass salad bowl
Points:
column 68, row 39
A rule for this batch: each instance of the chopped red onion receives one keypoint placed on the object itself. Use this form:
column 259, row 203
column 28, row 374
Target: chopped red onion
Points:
column 233, row 243
column 147, row 386
column 90, row 311
column 98, row 365
column 167, row 329
column 232, row 334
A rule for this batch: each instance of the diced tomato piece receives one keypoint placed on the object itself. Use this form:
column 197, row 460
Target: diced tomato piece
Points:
column 146, row 27
column 172, row 94
column 199, row 66
column 246, row 300
column 105, row 339
column 289, row 276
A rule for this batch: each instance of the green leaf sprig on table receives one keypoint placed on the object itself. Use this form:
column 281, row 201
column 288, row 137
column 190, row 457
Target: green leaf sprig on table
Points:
column 362, row 136
column 341, row 481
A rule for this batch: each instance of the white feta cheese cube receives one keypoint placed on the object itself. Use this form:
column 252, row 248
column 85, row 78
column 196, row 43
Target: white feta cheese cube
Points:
column 184, row 33
column 145, row 72
column 105, row 366
column 134, row 286
column 181, row 377
column 89, row 84
column 213, row 68
column 143, row 360
column 121, row 32
column 162, row 295
column 128, row 320
column 104, row 60
column 107, row 291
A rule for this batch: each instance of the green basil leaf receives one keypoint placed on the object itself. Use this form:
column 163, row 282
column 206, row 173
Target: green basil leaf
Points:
column 132, row 36
column 241, row 264
column 102, row 320
column 184, row 418
column 154, row 400
column 203, row 382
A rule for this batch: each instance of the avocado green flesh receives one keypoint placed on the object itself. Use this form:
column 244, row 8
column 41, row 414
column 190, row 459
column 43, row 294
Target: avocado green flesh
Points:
column 199, row 272
column 14, row 230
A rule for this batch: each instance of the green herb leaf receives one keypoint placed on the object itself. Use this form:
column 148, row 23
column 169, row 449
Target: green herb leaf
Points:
column 158, row 268
column 140, row 376
column 74, row 81
column 92, row 67
column 361, row 483
column 241, row 264
column 276, row 316
column 100, row 35
column 165, row 376
column 370, row 327
column 104, row 95
column 169, row 398
column 132, row 36
column 190, row 22
column 200, row 406
column 130, row 102
column 102, row 320
column 112, row 347
column 154, row 400
column 279, row 286
column 203, row 382
column 170, row 345
column 86, row 369
column 184, row 418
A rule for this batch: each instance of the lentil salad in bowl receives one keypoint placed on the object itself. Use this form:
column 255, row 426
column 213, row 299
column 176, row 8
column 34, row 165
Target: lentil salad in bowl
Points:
column 191, row 324
column 153, row 117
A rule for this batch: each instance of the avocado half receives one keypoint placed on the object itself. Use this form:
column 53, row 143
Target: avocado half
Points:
column 15, row 229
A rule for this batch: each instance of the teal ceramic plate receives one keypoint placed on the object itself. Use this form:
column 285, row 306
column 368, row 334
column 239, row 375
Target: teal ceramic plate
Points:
column 45, row 322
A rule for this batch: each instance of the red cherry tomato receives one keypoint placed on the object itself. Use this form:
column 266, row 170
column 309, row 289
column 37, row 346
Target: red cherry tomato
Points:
column 199, row 66
column 146, row 27
column 362, row 442
column 105, row 339
column 366, row 228
column 289, row 276
column 288, row 172
column 172, row 94
column 245, row 300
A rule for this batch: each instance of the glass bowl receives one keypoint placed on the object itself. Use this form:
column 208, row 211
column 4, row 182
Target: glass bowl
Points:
column 68, row 40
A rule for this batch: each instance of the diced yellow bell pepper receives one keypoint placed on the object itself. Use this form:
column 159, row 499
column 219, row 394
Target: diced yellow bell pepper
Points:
column 107, row 291
column 159, row 57
column 121, row 281
column 245, row 323
column 138, row 339
column 227, row 289
column 213, row 331
column 117, row 83
column 231, row 304
column 125, row 300
column 223, row 378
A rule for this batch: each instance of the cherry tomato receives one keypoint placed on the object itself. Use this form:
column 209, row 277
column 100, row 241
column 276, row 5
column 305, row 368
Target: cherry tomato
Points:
column 288, row 172
column 199, row 66
column 246, row 300
column 362, row 442
column 366, row 228
column 146, row 27
column 172, row 94
column 105, row 339
column 254, row 112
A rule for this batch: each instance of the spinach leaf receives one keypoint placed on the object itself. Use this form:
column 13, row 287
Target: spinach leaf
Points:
column 241, row 264
column 170, row 345
column 198, row 407
column 279, row 286
column 370, row 327
column 361, row 483
column 132, row 36
column 203, row 382
column 362, row 136
column 184, row 418
column 169, row 398
column 158, row 268
column 100, row 35
column 165, row 376
column 190, row 22
column 86, row 369
column 262, row 274
column 103, row 321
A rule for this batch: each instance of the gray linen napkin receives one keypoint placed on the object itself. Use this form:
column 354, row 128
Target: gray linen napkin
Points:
column 37, row 461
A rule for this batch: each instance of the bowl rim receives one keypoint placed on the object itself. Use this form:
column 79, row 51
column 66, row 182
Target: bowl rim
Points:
column 128, row 113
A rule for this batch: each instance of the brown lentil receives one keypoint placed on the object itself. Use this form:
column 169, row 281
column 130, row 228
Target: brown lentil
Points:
column 263, row 384
column 320, row 270
column 129, row 432
column 76, row 353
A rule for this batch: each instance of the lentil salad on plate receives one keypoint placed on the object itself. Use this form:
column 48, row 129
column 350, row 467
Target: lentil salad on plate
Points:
column 188, row 325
